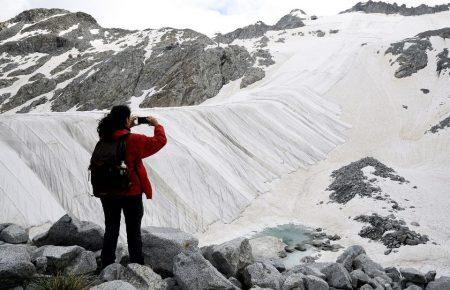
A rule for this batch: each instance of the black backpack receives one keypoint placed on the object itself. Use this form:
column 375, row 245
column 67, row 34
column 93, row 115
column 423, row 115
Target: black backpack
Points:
column 109, row 174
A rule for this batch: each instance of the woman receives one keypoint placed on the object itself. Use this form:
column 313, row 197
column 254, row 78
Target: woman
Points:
column 114, row 125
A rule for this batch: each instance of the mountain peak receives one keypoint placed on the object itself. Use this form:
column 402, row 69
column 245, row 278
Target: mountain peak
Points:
column 38, row 14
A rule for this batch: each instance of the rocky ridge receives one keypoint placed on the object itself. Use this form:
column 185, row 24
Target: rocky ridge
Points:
column 394, row 8
column 57, row 60
column 411, row 53
column 180, row 264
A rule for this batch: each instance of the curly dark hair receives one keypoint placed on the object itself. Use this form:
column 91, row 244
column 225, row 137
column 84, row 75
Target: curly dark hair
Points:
column 114, row 120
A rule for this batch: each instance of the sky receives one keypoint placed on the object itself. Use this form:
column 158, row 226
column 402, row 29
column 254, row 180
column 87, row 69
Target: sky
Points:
column 206, row 16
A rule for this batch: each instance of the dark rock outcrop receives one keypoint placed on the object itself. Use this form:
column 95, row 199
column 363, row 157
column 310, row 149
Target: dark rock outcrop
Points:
column 350, row 180
column 394, row 8
column 445, row 123
column 391, row 232
column 412, row 52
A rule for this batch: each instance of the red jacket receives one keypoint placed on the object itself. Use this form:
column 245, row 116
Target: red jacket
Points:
column 139, row 146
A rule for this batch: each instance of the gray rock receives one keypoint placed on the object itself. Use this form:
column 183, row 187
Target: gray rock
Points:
column 413, row 275
column 306, row 270
column 337, row 276
column 4, row 226
column 445, row 123
column 162, row 245
column 368, row 266
column 443, row 63
column 392, row 8
column 235, row 282
column 393, row 273
column 171, row 283
column 263, row 275
column 413, row 287
column 251, row 31
column 72, row 259
column 15, row 265
column 289, row 21
column 230, row 257
column 112, row 272
column 85, row 263
column 315, row 283
column 366, row 287
column 193, row 271
column 350, row 181
column 253, row 75
column 114, row 285
column 294, row 281
column 264, row 57
column 143, row 278
column 347, row 257
column 439, row 284
column 14, row 234
column 40, row 264
column 430, row 276
column 29, row 91
column 69, row 231
column 359, row 278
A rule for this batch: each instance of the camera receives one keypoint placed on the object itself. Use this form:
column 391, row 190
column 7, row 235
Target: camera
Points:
column 142, row 120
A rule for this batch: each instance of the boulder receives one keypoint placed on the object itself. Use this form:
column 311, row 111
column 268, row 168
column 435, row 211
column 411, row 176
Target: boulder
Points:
column 359, row 278
column 315, row 283
column 413, row 275
column 112, row 272
column 263, row 275
column 140, row 276
column 364, row 263
column 72, row 259
column 4, row 226
column 15, row 265
column 114, row 285
column 413, row 287
column 430, row 276
column 14, row 234
column 366, row 287
column 337, row 276
column 267, row 247
column 439, row 284
column 192, row 271
column 69, row 231
column 294, row 281
column 347, row 257
column 161, row 245
column 230, row 257
column 307, row 270
column 235, row 282
column 393, row 273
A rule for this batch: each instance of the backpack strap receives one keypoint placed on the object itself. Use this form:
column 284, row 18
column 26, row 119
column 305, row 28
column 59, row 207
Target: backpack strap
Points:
column 122, row 148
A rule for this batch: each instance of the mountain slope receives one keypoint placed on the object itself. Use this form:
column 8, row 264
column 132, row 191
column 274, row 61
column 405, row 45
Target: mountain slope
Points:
column 56, row 60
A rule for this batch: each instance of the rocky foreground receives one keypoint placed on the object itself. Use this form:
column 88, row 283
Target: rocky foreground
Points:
column 173, row 260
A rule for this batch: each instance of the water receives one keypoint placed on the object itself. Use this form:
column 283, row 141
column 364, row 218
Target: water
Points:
column 291, row 235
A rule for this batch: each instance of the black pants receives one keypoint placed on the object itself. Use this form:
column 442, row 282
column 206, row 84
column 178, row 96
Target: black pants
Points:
column 133, row 211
